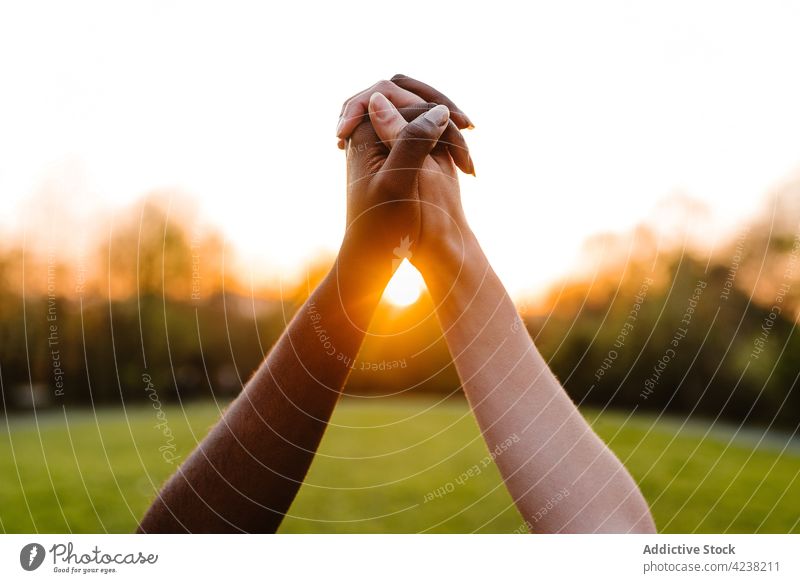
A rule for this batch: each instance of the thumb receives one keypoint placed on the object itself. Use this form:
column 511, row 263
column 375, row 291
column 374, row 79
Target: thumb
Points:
column 409, row 148
column 386, row 120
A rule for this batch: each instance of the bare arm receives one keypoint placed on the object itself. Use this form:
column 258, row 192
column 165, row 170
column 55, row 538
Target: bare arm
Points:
column 561, row 476
column 244, row 475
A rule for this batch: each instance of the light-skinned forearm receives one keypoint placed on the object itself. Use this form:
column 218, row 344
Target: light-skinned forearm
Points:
column 561, row 476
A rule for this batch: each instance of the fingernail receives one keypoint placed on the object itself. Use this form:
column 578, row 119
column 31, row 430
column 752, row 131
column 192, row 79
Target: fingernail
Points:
column 439, row 115
column 380, row 106
column 470, row 125
column 340, row 144
column 471, row 165
column 339, row 127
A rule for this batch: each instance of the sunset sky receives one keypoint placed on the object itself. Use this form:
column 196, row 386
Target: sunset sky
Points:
column 587, row 114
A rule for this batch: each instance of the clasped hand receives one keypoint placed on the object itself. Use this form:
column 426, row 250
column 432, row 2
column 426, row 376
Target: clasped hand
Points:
column 404, row 145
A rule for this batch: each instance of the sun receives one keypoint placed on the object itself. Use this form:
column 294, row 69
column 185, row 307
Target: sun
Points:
column 405, row 287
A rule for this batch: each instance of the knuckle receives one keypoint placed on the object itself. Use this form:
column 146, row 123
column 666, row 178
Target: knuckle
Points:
column 454, row 137
column 416, row 138
column 419, row 129
column 412, row 112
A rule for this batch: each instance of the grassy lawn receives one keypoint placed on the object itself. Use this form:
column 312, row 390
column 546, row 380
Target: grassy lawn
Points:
column 378, row 464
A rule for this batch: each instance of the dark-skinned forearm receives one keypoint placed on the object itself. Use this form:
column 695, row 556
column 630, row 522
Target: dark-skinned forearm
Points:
column 245, row 474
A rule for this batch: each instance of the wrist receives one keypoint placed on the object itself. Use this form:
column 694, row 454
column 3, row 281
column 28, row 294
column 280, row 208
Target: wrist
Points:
column 449, row 262
column 362, row 270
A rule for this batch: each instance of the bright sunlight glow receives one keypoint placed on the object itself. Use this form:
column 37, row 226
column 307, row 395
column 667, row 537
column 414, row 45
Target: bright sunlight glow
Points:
column 405, row 286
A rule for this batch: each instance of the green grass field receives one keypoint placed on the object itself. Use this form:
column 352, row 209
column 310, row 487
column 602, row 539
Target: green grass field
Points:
column 380, row 459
